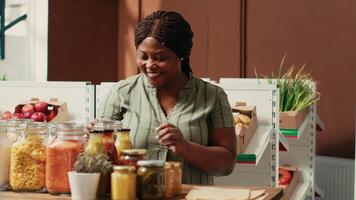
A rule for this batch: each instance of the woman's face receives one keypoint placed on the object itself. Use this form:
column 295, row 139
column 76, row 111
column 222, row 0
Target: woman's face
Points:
column 160, row 64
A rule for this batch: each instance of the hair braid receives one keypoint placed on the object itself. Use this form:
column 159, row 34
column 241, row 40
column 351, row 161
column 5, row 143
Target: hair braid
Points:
column 172, row 30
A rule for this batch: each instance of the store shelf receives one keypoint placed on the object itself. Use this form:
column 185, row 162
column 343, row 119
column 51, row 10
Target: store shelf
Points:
column 319, row 192
column 300, row 192
column 283, row 143
column 296, row 133
column 256, row 147
column 320, row 126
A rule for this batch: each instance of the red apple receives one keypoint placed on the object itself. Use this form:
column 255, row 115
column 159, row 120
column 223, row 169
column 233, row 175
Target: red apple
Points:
column 41, row 107
column 38, row 117
column 28, row 107
column 18, row 109
column 52, row 114
column 6, row 115
column 28, row 114
column 17, row 116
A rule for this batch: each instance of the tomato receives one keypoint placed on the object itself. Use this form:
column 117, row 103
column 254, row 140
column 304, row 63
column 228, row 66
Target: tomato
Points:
column 285, row 177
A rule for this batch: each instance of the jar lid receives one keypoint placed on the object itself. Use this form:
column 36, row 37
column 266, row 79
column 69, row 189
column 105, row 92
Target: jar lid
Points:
column 153, row 163
column 124, row 168
column 69, row 128
column 124, row 130
column 134, row 151
column 173, row 164
column 103, row 125
column 34, row 126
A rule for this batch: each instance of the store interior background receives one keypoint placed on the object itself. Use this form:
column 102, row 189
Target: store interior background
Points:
column 93, row 40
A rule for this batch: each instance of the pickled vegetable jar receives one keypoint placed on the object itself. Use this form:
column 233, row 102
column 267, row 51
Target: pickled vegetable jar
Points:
column 123, row 140
column 150, row 179
column 4, row 156
column 28, row 158
column 173, row 178
column 123, row 183
column 101, row 140
column 132, row 156
column 61, row 155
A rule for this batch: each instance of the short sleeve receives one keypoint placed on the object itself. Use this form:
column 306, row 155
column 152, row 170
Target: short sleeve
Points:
column 110, row 107
column 221, row 115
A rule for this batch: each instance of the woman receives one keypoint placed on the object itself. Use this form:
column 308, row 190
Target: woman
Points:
column 173, row 114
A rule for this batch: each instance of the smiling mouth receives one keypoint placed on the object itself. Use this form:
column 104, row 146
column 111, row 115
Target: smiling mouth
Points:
column 153, row 75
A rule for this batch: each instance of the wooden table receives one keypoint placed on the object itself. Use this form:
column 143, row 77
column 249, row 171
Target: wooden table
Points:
column 274, row 194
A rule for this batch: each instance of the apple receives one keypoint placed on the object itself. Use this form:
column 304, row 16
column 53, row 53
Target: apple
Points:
column 18, row 109
column 41, row 107
column 285, row 177
column 27, row 107
column 38, row 117
column 28, row 114
column 52, row 114
column 6, row 115
column 17, row 116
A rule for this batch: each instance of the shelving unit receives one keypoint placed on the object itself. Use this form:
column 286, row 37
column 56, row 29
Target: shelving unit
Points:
column 79, row 96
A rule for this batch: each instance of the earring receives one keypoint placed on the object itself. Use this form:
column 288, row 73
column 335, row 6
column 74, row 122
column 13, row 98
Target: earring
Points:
column 181, row 58
column 162, row 43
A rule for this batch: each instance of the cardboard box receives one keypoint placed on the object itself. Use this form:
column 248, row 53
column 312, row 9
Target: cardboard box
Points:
column 53, row 104
column 289, row 189
column 243, row 133
column 292, row 119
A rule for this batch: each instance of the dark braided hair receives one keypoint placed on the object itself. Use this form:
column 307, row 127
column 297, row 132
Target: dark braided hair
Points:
column 172, row 30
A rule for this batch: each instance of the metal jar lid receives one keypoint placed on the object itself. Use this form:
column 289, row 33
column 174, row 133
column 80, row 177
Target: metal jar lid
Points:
column 134, row 151
column 151, row 163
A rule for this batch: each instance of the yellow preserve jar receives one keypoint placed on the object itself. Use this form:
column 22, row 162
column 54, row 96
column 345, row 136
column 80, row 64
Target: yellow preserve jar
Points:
column 123, row 140
column 123, row 183
column 132, row 156
column 173, row 177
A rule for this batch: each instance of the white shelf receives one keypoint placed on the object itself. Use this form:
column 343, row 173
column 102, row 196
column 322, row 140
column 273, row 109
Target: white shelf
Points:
column 296, row 133
column 300, row 192
column 284, row 145
column 256, row 147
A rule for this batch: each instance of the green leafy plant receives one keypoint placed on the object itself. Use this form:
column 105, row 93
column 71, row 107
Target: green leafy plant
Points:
column 295, row 88
column 98, row 163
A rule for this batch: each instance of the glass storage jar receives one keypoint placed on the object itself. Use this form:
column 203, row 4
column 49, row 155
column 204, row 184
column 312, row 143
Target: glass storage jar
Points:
column 123, row 183
column 173, row 178
column 28, row 158
column 61, row 155
column 5, row 148
column 132, row 156
column 122, row 140
column 101, row 140
column 13, row 129
column 150, row 179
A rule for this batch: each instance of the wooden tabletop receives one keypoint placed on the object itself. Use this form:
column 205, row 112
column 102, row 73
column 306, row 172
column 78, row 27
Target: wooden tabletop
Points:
column 273, row 194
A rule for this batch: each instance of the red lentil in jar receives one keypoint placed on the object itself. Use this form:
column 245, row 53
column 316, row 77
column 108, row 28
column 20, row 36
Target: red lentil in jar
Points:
column 61, row 155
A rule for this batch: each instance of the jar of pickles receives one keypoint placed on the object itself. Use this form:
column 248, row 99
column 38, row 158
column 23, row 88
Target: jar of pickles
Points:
column 61, row 155
column 28, row 158
column 123, row 183
column 132, row 156
column 173, row 178
column 101, row 140
column 123, row 140
column 4, row 156
column 150, row 179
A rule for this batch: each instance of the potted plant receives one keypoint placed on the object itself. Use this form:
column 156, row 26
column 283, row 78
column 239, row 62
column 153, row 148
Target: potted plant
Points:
column 84, row 180
column 295, row 97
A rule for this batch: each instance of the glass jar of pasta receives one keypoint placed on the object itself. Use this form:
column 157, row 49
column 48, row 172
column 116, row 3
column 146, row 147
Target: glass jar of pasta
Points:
column 173, row 178
column 61, row 155
column 28, row 158
column 5, row 148
column 132, row 156
column 150, row 179
column 123, row 183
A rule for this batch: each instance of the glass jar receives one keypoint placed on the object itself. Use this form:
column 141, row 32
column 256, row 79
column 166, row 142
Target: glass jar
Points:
column 5, row 148
column 132, row 156
column 28, row 158
column 150, row 179
column 123, row 183
column 173, row 178
column 13, row 129
column 61, row 155
column 101, row 140
column 122, row 140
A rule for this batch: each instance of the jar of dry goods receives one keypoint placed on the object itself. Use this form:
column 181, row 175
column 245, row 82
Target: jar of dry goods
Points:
column 5, row 148
column 61, row 155
column 173, row 177
column 28, row 158
column 150, row 179
column 123, row 183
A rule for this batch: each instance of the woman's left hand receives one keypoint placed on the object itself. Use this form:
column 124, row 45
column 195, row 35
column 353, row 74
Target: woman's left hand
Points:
column 172, row 137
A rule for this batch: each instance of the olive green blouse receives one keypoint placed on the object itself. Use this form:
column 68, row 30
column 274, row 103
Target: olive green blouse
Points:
column 201, row 108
